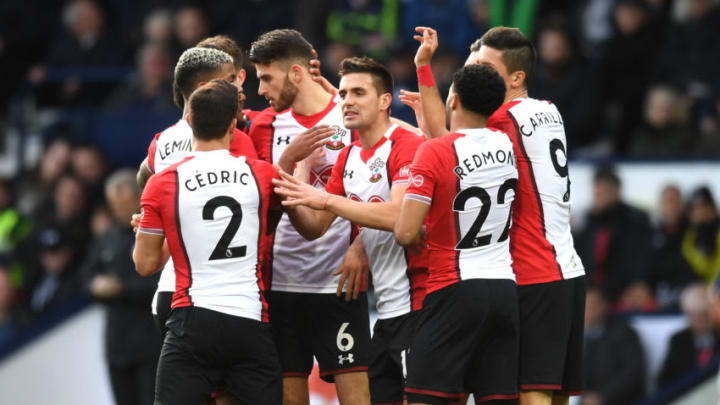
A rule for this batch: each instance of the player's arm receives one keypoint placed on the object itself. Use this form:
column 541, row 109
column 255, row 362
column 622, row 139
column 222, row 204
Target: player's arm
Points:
column 143, row 174
column 303, row 145
column 307, row 214
column 150, row 253
column 353, row 270
column 433, row 109
column 408, row 227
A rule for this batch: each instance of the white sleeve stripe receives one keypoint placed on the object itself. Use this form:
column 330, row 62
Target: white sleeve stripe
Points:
column 401, row 181
column 419, row 198
column 152, row 231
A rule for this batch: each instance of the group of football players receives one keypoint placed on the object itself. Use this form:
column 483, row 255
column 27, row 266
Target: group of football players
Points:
column 266, row 224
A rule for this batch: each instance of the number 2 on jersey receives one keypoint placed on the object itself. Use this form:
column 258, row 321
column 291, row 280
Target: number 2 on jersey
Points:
column 471, row 240
column 222, row 249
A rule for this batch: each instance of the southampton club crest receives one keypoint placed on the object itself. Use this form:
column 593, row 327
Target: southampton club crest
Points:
column 336, row 139
column 376, row 170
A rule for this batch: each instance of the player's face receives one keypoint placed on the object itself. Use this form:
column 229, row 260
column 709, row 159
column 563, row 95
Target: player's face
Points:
column 275, row 86
column 360, row 103
column 493, row 58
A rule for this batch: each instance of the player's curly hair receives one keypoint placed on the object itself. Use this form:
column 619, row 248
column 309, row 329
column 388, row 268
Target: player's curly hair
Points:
column 480, row 89
column 227, row 45
column 212, row 109
column 281, row 45
column 518, row 52
column 195, row 65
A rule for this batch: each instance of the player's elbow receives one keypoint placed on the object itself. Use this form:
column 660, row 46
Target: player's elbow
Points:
column 146, row 266
column 404, row 237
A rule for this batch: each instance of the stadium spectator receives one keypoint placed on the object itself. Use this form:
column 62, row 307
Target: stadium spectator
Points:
column 14, row 227
column 54, row 280
column 11, row 320
column 664, row 131
column 560, row 76
column 158, row 29
column 100, row 221
column 614, row 359
column 150, row 90
column 370, row 25
column 67, row 210
column 88, row 166
column 85, row 44
column 701, row 243
column 627, row 67
column 54, row 162
column 615, row 240
column 451, row 18
column 132, row 344
column 667, row 271
column 191, row 26
column 695, row 346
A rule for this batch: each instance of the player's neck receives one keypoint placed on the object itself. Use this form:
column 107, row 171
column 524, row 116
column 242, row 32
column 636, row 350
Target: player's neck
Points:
column 512, row 94
column 464, row 120
column 311, row 99
column 371, row 135
column 199, row 145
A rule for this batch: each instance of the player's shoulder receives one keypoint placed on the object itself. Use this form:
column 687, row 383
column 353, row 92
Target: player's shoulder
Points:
column 180, row 128
column 259, row 166
column 262, row 119
column 402, row 135
column 167, row 174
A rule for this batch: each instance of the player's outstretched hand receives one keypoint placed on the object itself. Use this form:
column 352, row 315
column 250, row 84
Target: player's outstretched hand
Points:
column 412, row 100
column 428, row 45
column 135, row 222
column 353, row 271
column 305, row 143
column 296, row 192
column 317, row 75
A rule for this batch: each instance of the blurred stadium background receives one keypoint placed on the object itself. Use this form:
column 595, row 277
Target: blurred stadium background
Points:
column 84, row 86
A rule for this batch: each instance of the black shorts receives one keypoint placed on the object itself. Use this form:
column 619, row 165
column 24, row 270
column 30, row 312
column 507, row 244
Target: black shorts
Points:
column 336, row 332
column 552, row 322
column 388, row 350
column 466, row 342
column 204, row 349
column 162, row 311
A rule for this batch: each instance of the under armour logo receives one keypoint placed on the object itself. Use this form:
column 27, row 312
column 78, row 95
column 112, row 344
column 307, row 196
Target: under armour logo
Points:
column 349, row 358
column 348, row 174
column 281, row 140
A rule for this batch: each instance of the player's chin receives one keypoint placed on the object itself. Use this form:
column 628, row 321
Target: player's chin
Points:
column 352, row 122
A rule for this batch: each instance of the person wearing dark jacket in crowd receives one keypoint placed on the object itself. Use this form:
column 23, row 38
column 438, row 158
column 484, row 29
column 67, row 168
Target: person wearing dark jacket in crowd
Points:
column 132, row 343
column 695, row 346
column 614, row 243
column 701, row 243
column 614, row 359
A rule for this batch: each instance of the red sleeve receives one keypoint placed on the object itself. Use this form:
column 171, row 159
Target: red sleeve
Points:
column 264, row 173
column 150, row 207
column 502, row 120
column 401, row 156
column 250, row 114
column 242, row 145
column 423, row 172
column 151, row 153
column 335, row 184
column 261, row 133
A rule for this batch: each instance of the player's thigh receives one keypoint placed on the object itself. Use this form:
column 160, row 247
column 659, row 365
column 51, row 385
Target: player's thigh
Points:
column 340, row 334
column 545, row 320
column 181, row 378
column 446, row 338
column 256, row 377
column 573, row 377
column 493, row 371
column 295, row 391
column 352, row 388
column 289, row 321
column 388, row 350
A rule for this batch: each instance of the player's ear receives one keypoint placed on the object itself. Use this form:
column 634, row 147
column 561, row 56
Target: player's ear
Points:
column 241, row 75
column 517, row 79
column 295, row 74
column 188, row 120
column 231, row 128
column 385, row 101
column 454, row 101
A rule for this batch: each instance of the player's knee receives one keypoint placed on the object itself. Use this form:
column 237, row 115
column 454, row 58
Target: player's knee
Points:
column 295, row 391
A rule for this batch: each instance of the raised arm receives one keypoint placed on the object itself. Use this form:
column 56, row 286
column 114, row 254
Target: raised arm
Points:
column 433, row 108
column 143, row 174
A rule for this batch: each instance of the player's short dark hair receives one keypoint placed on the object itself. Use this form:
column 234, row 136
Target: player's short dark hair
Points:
column 196, row 65
column 227, row 45
column 281, row 45
column 382, row 79
column 480, row 89
column 518, row 52
column 212, row 109
column 607, row 174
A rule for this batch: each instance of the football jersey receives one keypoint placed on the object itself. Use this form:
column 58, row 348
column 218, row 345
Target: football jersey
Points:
column 212, row 208
column 299, row 265
column 540, row 240
column 367, row 175
column 171, row 146
column 469, row 179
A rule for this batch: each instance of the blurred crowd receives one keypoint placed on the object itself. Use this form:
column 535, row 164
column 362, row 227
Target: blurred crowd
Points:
column 632, row 78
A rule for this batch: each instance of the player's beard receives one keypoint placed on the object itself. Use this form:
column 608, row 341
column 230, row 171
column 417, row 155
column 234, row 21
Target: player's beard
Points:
column 286, row 97
column 240, row 115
